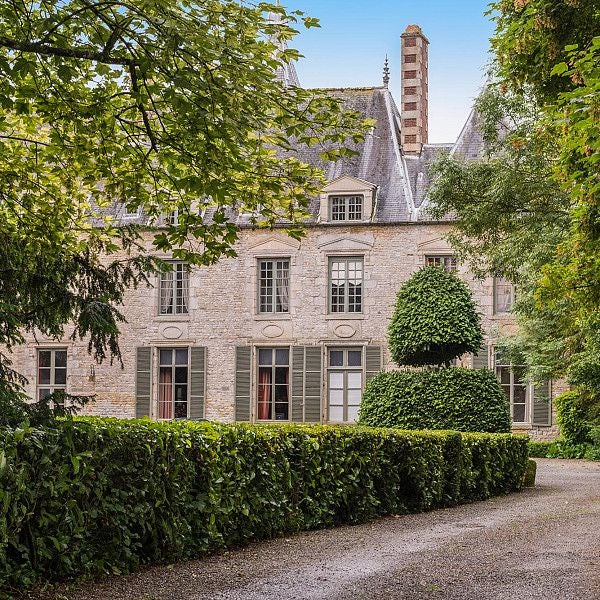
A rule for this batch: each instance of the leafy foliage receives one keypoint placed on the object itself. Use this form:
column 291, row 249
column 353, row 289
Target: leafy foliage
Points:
column 103, row 495
column 574, row 418
column 435, row 320
column 158, row 106
column 453, row 398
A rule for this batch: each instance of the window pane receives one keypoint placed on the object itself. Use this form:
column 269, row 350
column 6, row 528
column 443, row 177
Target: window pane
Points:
column 44, row 376
column 43, row 393
column 336, row 397
column 181, row 410
column 519, row 394
column 354, row 358
column 282, row 356
column 519, row 413
column 265, row 356
column 354, row 397
column 60, row 358
column 336, row 413
column 281, row 412
column 44, row 358
column 181, row 356
column 166, row 357
column 282, row 375
column 355, row 380
column 181, row 374
column 60, row 376
column 353, row 413
column 336, row 381
column 336, row 358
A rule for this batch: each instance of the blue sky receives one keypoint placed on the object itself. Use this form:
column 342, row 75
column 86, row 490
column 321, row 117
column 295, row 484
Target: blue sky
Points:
column 350, row 46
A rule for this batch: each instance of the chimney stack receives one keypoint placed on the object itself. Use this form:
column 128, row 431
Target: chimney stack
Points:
column 414, row 109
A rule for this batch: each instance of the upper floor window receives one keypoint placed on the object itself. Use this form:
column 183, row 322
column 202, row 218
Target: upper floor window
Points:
column 174, row 290
column 445, row 261
column 504, row 295
column 346, row 285
column 274, row 285
column 173, row 379
column 273, row 384
column 52, row 371
column 346, row 208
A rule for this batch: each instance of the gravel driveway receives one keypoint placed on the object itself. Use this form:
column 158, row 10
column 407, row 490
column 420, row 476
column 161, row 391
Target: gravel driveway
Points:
column 540, row 543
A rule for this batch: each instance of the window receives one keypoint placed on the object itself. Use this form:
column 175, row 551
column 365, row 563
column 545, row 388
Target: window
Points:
column 512, row 380
column 410, row 58
column 410, row 122
column 345, row 285
column 346, row 208
column 344, row 384
column 410, row 90
column 410, row 139
column 274, row 285
column 172, row 218
column 410, row 42
column 173, row 380
column 174, row 290
column 445, row 261
column 273, row 384
column 504, row 295
column 410, row 74
column 52, row 372
column 410, row 106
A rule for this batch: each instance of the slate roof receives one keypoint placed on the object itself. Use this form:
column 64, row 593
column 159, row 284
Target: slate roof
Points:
column 401, row 179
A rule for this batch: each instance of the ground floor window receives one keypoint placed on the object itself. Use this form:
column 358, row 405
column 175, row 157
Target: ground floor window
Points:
column 512, row 380
column 344, row 384
column 273, row 384
column 52, row 371
column 173, row 383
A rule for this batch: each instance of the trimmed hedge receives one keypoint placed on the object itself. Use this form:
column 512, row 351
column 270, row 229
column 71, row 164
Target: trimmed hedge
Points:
column 560, row 448
column 104, row 495
column 452, row 398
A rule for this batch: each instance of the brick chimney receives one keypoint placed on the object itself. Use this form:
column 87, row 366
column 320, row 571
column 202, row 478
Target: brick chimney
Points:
column 415, row 92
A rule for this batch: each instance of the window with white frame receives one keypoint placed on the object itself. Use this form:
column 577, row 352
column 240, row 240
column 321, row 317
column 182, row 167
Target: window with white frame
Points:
column 512, row 380
column 444, row 261
column 174, row 290
column 504, row 295
column 344, row 384
column 273, row 402
column 52, row 371
column 274, row 285
column 346, row 284
column 346, row 208
column 173, row 383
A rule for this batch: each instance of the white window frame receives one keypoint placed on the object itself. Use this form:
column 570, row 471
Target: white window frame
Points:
column 273, row 383
column 346, row 306
column 276, row 307
column 445, row 261
column 178, row 282
column 344, row 370
column 498, row 366
column 173, row 383
column 52, row 386
column 352, row 207
column 501, row 281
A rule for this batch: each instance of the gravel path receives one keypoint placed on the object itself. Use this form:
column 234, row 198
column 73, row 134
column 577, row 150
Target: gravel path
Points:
column 540, row 543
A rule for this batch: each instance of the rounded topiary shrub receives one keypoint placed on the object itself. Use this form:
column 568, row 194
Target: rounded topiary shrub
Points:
column 435, row 320
column 456, row 398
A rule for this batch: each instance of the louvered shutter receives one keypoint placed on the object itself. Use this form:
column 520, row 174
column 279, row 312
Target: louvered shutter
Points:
column 313, row 379
column 243, row 376
column 298, row 384
column 480, row 360
column 143, row 382
column 197, row 378
column 373, row 361
column 542, row 405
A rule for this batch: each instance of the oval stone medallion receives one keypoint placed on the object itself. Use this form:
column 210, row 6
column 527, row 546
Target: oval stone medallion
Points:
column 272, row 331
column 172, row 332
column 344, row 330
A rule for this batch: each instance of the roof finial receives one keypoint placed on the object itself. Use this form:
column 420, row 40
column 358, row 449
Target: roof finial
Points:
column 386, row 72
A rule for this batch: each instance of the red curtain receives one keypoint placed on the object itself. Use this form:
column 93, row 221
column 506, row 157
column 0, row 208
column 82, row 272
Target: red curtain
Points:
column 264, row 394
column 165, row 394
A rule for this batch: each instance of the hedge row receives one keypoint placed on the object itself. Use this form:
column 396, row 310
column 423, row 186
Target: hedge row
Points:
column 104, row 495
column 563, row 449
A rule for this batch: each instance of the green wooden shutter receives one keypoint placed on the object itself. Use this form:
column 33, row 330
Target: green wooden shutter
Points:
column 373, row 361
column 197, row 378
column 313, row 380
column 143, row 382
column 298, row 384
column 480, row 360
column 542, row 405
column 243, row 377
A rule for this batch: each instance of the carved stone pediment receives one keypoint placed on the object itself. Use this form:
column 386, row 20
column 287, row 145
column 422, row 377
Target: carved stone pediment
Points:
column 346, row 243
column 274, row 245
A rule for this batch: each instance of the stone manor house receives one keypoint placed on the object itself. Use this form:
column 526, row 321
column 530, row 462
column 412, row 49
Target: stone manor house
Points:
column 289, row 330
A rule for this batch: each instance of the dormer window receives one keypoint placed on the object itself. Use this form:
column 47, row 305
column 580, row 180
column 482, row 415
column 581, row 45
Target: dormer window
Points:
column 346, row 208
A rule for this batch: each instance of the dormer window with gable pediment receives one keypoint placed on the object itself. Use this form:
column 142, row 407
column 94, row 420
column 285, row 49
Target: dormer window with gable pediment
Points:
column 348, row 200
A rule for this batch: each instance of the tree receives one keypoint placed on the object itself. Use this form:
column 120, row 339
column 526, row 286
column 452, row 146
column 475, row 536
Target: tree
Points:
column 435, row 320
column 159, row 105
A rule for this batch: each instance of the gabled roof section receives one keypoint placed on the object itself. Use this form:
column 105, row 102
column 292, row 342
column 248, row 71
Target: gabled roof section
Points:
column 347, row 182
